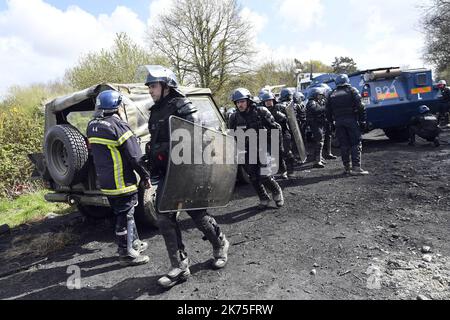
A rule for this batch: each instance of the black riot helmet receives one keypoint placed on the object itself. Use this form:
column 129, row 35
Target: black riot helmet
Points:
column 156, row 73
column 241, row 94
column 286, row 94
column 315, row 93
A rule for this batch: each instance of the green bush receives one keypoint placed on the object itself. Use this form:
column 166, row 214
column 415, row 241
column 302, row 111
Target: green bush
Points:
column 21, row 133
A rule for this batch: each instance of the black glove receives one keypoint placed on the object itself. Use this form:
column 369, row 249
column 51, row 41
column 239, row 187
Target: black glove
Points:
column 145, row 183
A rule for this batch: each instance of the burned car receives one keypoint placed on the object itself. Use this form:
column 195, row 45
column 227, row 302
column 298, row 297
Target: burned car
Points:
column 66, row 165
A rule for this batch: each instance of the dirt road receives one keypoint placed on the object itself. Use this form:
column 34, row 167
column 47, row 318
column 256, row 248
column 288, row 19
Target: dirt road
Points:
column 384, row 236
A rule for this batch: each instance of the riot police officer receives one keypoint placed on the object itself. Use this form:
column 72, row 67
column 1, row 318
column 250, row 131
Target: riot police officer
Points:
column 251, row 117
column 425, row 125
column 287, row 96
column 445, row 102
column 117, row 155
column 287, row 157
column 316, row 119
column 344, row 106
column 169, row 100
column 328, row 132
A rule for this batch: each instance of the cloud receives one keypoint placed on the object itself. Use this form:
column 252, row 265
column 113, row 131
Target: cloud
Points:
column 258, row 22
column 39, row 42
column 156, row 8
column 300, row 14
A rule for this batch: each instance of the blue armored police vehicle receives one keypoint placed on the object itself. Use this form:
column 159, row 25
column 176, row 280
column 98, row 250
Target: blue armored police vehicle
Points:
column 391, row 96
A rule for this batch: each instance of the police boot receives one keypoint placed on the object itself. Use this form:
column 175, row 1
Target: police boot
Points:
column 283, row 169
column 178, row 274
column 328, row 154
column 290, row 163
column 264, row 199
column 221, row 253
column 276, row 191
column 318, row 157
column 347, row 170
column 358, row 171
column 208, row 225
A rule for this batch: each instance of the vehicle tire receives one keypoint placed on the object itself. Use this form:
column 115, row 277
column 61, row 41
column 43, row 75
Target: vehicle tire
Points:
column 66, row 154
column 397, row 134
column 95, row 212
column 242, row 175
column 145, row 213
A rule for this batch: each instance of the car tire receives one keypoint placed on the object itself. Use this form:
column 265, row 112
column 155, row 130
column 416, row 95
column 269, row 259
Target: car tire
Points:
column 397, row 134
column 66, row 155
column 145, row 211
column 95, row 212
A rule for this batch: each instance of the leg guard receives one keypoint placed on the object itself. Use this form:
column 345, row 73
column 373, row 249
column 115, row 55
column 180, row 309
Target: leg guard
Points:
column 327, row 154
column 272, row 186
column 356, row 155
column 260, row 190
column 208, row 225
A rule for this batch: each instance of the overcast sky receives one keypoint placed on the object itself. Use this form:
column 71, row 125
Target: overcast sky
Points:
column 40, row 39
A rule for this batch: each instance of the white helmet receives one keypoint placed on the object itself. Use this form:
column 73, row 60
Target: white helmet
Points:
column 442, row 83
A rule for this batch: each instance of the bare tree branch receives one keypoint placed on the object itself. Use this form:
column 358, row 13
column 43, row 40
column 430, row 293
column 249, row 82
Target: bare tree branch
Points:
column 205, row 41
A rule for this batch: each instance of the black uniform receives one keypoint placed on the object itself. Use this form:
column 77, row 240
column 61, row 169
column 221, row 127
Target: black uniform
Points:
column 158, row 153
column 316, row 119
column 344, row 106
column 426, row 127
column 287, row 160
column 300, row 114
column 117, row 155
column 445, row 106
column 257, row 118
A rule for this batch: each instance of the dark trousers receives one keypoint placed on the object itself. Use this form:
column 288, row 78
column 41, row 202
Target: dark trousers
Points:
column 350, row 139
column 126, row 231
column 171, row 232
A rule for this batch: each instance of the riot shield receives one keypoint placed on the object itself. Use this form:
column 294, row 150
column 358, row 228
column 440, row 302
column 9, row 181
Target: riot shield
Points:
column 202, row 168
column 295, row 129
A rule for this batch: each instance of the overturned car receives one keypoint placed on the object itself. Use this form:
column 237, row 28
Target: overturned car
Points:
column 66, row 165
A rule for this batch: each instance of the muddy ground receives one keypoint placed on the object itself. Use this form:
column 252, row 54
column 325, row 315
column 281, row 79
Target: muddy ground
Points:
column 337, row 238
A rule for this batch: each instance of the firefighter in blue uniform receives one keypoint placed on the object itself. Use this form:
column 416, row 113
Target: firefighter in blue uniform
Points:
column 169, row 100
column 117, row 155
column 345, row 108
column 251, row 117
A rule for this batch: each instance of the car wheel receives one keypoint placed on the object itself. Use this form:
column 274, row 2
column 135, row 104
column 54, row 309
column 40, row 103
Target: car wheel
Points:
column 66, row 154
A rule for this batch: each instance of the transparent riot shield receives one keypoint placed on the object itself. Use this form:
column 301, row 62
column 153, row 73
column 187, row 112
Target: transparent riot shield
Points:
column 202, row 168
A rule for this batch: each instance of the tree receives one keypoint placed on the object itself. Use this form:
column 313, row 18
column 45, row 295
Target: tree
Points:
column 270, row 73
column 117, row 65
column 206, row 41
column 344, row 65
column 436, row 26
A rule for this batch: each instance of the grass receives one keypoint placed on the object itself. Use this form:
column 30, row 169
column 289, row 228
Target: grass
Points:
column 29, row 208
